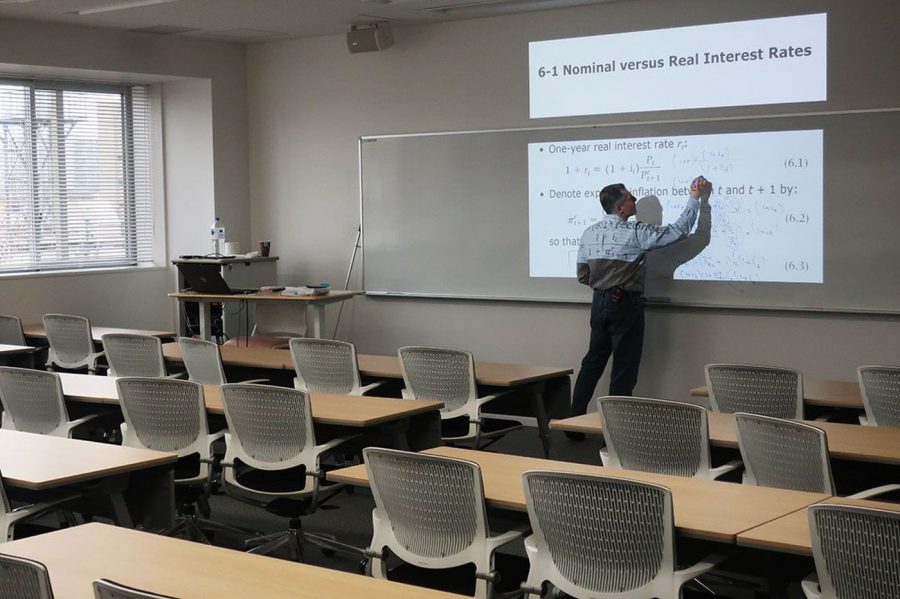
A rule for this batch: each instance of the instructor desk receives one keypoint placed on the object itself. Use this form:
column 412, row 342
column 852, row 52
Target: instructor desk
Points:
column 318, row 302
column 546, row 388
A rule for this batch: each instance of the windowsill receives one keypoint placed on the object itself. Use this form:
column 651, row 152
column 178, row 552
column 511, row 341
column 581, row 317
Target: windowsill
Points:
column 81, row 272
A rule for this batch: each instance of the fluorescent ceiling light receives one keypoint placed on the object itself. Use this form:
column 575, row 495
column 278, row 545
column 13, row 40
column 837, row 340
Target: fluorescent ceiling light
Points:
column 120, row 6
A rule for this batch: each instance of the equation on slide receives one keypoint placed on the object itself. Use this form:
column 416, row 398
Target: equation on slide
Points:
column 766, row 216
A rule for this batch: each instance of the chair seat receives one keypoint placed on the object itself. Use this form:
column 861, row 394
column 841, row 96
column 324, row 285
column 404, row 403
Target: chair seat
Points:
column 258, row 341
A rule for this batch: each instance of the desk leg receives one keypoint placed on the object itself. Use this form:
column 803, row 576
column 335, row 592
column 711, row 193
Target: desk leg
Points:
column 318, row 320
column 549, row 399
column 424, row 431
column 534, row 391
column 150, row 498
column 205, row 320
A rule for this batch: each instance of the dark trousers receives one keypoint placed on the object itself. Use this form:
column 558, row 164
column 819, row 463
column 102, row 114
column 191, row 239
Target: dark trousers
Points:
column 617, row 328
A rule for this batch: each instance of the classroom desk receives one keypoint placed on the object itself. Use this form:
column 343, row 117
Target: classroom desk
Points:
column 138, row 481
column 11, row 350
column 77, row 556
column 546, row 388
column 877, row 444
column 710, row 510
column 317, row 302
column 826, row 394
column 419, row 420
column 790, row 533
column 36, row 331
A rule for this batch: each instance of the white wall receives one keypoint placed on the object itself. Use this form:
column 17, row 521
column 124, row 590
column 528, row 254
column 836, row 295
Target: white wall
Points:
column 204, row 158
column 310, row 100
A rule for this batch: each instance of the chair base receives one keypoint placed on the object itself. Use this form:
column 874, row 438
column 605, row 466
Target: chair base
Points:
column 295, row 539
column 192, row 528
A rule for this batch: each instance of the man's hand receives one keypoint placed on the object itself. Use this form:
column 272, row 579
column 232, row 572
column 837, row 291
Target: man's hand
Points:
column 701, row 188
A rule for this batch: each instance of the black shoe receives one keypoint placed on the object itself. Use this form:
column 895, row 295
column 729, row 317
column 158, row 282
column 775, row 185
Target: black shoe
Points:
column 575, row 436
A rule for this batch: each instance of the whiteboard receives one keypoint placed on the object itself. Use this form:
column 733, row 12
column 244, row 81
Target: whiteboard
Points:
column 447, row 215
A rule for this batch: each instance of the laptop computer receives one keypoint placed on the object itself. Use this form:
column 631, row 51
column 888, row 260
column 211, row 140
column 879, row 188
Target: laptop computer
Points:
column 207, row 278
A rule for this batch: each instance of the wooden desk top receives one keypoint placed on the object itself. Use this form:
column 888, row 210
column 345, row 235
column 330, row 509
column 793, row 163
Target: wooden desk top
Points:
column 37, row 331
column 879, row 444
column 331, row 296
column 42, row 462
column 328, row 408
column 704, row 509
column 486, row 373
column 790, row 533
column 830, row 394
column 7, row 350
column 77, row 556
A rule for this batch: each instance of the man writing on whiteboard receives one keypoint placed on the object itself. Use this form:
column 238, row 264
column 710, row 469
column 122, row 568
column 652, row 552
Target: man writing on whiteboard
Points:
column 611, row 260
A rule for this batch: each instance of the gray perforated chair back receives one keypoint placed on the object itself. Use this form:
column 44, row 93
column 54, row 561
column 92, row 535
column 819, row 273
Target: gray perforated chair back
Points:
column 11, row 332
column 446, row 375
column 22, row 578
column 599, row 536
column 33, row 401
column 202, row 360
column 325, row 365
column 784, row 454
column 70, row 340
column 269, row 428
column 427, row 507
column 107, row 589
column 880, row 388
column 165, row 415
column 856, row 550
column 761, row 390
column 654, row 435
column 133, row 355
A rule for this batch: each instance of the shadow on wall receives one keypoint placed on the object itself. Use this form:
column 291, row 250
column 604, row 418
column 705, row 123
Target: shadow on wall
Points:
column 663, row 262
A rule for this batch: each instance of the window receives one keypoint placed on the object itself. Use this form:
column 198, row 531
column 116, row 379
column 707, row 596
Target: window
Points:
column 74, row 176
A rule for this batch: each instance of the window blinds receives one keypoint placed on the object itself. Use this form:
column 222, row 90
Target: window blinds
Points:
column 74, row 176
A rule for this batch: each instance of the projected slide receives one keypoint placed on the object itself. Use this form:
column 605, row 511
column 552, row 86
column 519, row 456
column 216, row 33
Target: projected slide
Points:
column 766, row 203
column 766, row 61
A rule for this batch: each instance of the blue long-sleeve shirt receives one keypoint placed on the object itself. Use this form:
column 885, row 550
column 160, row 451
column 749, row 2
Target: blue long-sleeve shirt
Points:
column 612, row 252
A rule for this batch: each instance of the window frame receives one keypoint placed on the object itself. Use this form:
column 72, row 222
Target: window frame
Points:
column 155, row 255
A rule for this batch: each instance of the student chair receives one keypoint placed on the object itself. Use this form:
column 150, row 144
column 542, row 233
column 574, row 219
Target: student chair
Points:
column 856, row 551
column 11, row 332
column 33, row 402
column 655, row 435
column 603, row 537
column 327, row 366
column 448, row 375
column 789, row 455
column 71, row 343
column 880, row 388
column 170, row 415
column 203, row 362
column 272, row 460
column 761, row 390
column 135, row 355
column 10, row 516
column 25, row 578
column 430, row 512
